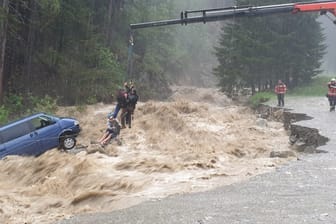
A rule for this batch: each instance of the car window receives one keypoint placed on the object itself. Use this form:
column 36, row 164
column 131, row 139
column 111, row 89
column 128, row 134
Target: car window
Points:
column 50, row 119
column 15, row 131
column 41, row 121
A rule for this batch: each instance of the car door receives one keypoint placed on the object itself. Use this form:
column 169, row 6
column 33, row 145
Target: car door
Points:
column 46, row 131
column 2, row 147
column 20, row 140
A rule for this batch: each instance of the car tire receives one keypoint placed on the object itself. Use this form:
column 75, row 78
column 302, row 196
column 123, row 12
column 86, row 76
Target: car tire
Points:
column 67, row 142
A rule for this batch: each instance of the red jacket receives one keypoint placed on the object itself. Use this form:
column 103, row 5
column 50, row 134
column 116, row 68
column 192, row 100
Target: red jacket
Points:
column 280, row 89
column 331, row 89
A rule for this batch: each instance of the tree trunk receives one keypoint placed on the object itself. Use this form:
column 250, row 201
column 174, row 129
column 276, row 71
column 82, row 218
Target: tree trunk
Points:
column 30, row 44
column 259, row 86
column 3, row 39
column 108, row 28
column 253, row 88
column 114, row 8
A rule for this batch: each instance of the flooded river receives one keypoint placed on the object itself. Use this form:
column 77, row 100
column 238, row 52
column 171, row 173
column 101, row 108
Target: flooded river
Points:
column 196, row 141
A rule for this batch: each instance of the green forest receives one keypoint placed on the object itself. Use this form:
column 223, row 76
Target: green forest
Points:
column 75, row 52
column 257, row 52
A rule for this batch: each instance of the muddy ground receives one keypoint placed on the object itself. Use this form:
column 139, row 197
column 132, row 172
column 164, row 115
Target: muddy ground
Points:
column 196, row 141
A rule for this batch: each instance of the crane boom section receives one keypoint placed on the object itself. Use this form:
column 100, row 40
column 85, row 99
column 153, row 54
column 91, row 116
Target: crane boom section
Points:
column 209, row 15
column 313, row 7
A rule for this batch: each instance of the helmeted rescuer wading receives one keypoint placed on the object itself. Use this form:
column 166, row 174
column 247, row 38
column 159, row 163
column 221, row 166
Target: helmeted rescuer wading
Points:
column 332, row 94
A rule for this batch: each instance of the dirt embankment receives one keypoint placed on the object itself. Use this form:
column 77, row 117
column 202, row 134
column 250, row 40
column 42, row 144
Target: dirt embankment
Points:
column 197, row 141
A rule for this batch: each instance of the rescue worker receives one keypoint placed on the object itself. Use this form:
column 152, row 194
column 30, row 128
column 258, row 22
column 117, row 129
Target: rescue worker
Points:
column 122, row 97
column 332, row 94
column 128, row 114
column 280, row 90
column 128, row 86
column 121, row 102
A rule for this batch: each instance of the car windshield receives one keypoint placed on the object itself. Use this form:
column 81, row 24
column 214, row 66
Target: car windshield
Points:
column 49, row 119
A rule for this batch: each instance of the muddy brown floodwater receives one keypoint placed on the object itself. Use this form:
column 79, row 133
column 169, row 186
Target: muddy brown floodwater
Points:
column 197, row 141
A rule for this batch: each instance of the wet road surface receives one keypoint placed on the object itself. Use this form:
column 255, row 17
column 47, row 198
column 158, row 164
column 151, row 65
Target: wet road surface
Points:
column 303, row 191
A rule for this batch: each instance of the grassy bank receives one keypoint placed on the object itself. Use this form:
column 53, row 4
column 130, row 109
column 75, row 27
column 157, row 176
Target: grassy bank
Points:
column 318, row 87
column 260, row 98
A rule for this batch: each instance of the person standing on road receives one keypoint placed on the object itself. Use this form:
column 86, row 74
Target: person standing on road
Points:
column 332, row 94
column 280, row 90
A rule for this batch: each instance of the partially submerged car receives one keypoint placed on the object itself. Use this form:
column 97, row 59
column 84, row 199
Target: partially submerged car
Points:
column 35, row 134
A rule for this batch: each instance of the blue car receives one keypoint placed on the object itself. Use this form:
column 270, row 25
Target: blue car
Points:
column 33, row 135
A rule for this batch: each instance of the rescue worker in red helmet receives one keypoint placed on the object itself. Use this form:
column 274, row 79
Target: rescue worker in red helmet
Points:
column 332, row 94
column 280, row 89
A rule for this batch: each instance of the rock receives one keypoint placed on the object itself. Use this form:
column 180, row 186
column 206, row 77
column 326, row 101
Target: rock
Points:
column 95, row 148
column 282, row 154
column 261, row 122
column 310, row 136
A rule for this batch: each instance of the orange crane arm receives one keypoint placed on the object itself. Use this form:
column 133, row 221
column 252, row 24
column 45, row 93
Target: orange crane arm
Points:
column 322, row 7
column 210, row 15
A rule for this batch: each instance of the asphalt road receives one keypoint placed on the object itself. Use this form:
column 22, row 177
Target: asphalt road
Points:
column 301, row 192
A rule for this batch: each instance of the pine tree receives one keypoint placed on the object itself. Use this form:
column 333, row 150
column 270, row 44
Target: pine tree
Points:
column 3, row 40
column 255, row 52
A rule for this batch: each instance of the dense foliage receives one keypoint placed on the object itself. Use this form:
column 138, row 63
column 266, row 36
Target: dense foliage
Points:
column 256, row 52
column 77, row 51
column 63, row 48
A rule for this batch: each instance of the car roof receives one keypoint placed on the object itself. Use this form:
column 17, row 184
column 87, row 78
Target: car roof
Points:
column 13, row 123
